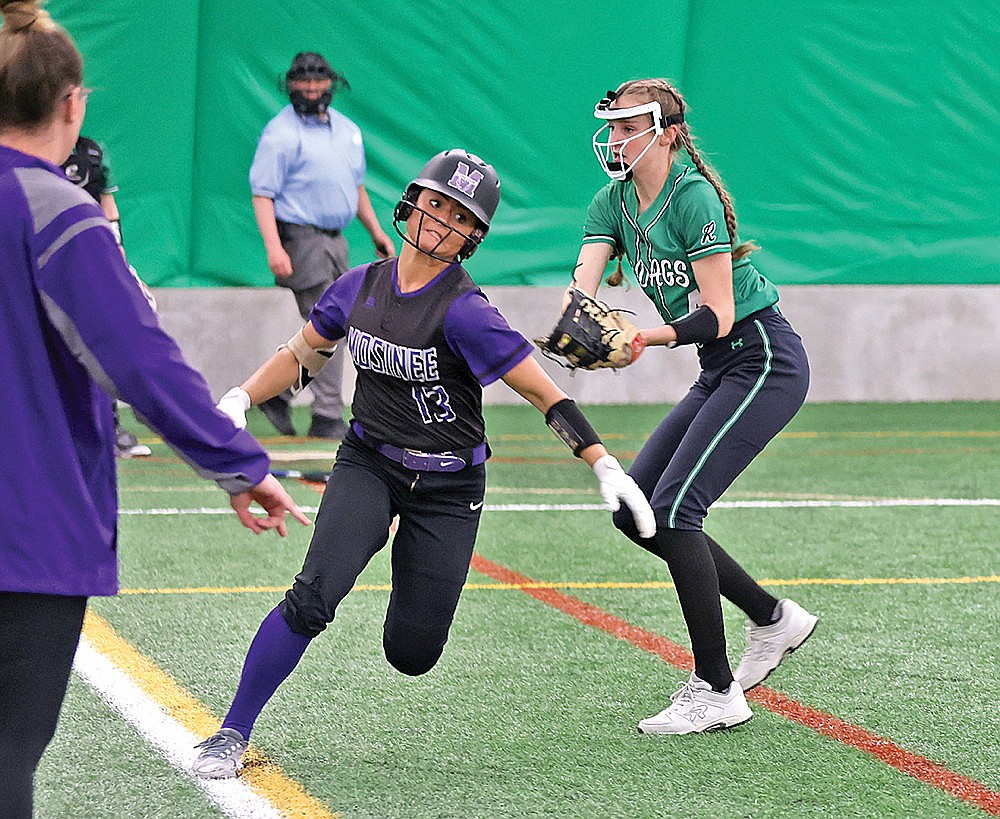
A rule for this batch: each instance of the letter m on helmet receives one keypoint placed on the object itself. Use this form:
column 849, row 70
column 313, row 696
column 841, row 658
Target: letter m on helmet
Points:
column 465, row 180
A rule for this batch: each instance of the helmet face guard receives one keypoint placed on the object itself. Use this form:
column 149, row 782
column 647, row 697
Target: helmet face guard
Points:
column 606, row 149
column 462, row 177
column 407, row 206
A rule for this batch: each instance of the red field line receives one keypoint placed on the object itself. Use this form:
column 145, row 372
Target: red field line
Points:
column 931, row 773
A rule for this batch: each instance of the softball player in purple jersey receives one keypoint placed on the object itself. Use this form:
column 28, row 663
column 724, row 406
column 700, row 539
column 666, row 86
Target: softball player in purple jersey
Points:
column 76, row 333
column 676, row 225
column 425, row 341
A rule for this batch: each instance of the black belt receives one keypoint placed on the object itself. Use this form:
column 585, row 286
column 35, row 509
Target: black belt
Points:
column 333, row 233
column 427, row 461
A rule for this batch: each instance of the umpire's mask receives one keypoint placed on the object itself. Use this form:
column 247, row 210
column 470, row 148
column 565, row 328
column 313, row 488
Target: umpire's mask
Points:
column 309, row 65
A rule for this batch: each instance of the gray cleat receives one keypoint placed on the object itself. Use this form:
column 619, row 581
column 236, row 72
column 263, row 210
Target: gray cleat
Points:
column 220, row 755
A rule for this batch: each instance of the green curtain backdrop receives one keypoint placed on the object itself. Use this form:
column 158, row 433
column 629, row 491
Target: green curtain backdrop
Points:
column 859, row 141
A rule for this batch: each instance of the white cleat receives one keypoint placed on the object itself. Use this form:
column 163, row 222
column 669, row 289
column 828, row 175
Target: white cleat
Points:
column 769, row 644
column 220, row 756
column 695, row 708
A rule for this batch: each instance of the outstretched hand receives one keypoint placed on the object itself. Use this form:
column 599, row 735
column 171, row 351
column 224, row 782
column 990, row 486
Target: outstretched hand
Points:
column 271, row 495
column 617, row 487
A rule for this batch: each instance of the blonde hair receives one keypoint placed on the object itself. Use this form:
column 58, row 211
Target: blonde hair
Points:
column 671, row 102
column 38, row 63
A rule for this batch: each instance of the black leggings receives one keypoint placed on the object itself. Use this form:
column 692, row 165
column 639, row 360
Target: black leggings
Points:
column 752, row 383
column 38, row 638
column 438, row 520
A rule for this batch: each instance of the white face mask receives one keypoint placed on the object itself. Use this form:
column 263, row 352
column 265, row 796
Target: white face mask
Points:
column 605, row 149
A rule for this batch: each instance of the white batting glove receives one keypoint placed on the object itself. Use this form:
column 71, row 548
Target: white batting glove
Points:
column 235, row 404
column 616, row 486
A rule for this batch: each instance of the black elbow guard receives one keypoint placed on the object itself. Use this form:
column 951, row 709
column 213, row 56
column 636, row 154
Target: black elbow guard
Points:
column 697, row 327
column 566, row 421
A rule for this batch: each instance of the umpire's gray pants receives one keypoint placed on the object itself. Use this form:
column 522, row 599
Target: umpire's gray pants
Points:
column 318, row 259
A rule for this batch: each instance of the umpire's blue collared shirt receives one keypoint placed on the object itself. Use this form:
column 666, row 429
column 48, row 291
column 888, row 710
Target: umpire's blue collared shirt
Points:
column 311, row 169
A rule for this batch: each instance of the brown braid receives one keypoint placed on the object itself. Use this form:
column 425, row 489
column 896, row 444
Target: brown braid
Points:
column 617, row 275
column 672, row 102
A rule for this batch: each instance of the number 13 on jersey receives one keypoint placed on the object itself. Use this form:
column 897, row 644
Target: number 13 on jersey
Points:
column 433, row 404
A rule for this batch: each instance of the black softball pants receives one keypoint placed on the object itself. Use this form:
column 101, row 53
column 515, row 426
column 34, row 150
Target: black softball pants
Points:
column 438, row 521
column 38, row 638
column 752, row 383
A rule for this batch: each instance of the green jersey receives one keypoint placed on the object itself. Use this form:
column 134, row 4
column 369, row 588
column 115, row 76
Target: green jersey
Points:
column 685, row 223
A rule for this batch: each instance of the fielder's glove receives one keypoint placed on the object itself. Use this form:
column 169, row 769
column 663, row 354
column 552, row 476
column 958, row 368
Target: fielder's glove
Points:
column 235, row 404
column 591, row 336
column 617, row 486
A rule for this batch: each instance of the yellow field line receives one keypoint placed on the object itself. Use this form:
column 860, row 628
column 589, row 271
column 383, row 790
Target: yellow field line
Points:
column 266, row 778
column 652, row 584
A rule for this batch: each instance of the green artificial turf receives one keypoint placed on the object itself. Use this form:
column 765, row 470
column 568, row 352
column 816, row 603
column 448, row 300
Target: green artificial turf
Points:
column 531, row 713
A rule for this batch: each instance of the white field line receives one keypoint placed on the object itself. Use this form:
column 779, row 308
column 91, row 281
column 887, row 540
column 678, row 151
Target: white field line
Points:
column 174, row 742
column 597, row 507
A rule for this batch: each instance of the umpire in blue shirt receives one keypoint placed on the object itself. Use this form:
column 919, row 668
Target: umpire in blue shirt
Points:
column 307, row 181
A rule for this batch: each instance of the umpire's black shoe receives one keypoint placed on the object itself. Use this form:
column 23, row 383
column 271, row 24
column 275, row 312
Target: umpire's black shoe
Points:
column 277, row 411
column 332, row 428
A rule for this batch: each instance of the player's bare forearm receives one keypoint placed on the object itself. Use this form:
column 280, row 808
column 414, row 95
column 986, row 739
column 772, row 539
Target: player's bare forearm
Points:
column 532, row 383
column 590, row 266
column 275, row 376
column 661, row 336
column 714, row 275
column 592, row 454
column 110, row 206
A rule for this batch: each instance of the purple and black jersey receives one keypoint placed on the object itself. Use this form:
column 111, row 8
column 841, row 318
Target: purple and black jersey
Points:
column 77, row 332
column 422, row 357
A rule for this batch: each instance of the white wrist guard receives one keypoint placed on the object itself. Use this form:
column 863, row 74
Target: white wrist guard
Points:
column 311, row 360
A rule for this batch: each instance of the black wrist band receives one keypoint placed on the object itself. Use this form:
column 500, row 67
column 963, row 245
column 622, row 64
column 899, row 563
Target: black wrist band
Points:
column 697, row 327
column 566, row 421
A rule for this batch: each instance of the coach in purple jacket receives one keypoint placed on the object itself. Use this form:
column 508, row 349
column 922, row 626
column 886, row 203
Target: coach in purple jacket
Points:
column 75, row 332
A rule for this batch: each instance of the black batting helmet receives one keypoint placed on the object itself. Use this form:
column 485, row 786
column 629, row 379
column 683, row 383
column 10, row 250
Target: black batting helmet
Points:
column 463, row 177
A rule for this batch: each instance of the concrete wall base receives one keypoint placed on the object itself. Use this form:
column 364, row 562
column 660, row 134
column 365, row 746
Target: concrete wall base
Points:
column 865, row 343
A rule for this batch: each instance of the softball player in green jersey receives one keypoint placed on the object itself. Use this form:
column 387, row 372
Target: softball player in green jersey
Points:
column 675, row 224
